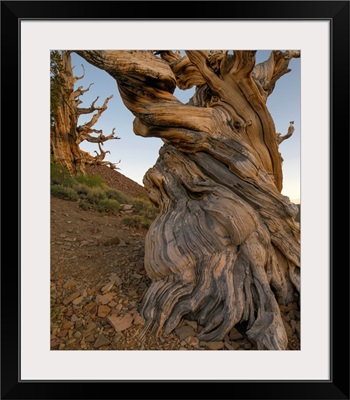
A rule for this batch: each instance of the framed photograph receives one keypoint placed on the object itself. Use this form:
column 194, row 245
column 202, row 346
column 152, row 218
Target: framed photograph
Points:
column 44, row 359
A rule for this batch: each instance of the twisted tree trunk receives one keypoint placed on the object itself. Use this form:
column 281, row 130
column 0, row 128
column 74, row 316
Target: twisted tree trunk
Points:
column 225, row 247
column 66, row 133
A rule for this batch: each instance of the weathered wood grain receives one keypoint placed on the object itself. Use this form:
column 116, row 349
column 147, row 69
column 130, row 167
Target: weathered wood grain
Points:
column 225, row 247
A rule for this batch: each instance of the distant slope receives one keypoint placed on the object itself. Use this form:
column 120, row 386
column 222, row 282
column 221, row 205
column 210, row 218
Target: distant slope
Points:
column 117, row 181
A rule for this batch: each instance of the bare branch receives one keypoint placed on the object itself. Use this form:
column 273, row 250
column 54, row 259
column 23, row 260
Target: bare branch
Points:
column 80, row 91
column 111, row 136
column 85, row 134
column 96, row 116
column 89, row 110
column 98, row 160
column 267, row 73
column 111, row 165
column 102, row 155
column 290, row 132
column 117, row 64
column 77, row 78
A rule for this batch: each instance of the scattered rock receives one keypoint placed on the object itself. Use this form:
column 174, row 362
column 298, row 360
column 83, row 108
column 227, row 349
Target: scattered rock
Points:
column 235, row 335
column 91, row 325
column 120, row 323
column 103, row 311
column 78, row 300
column 101, row 341
column 214, row 345
column 228, row 346
column 70, row 298
column 106, row 288
column 90, row 338
column 70, row 284
column 138, row 320
column 117, row 281
column 62, row 333
column 184, row 332
column 78, row 324
column 193, row 324
column 67, row 325
column 118, row 336
column 55, row 343
column 117, row 309
column 82, row 324
column 105, row 298
column 235, row 345
column 192, row 341
column 89, row 306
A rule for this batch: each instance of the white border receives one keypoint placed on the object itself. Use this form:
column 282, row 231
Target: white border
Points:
column 312, row 362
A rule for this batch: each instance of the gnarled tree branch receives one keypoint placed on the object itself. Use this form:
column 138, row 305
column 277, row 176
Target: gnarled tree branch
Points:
column 66, row 134
column 80, row 91
column 85, row 134
column 96, row 116
column 267, row 73
column 290, row 132
column 225, row 247
column 89, row 110
column 78, row 78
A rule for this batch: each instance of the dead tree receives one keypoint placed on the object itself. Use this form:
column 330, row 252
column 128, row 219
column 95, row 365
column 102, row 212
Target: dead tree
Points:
column 66, row 133
column 225, row 247
column 99, row 158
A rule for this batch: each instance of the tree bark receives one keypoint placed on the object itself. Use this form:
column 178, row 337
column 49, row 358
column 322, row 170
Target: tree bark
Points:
column 225, row 247
column 66, row 134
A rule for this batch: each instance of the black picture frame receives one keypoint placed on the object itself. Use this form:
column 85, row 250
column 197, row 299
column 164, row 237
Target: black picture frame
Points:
column 335, row 388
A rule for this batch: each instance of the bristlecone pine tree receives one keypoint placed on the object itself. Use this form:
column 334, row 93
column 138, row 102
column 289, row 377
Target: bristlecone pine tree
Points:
column 66, row 133
column 225, row 247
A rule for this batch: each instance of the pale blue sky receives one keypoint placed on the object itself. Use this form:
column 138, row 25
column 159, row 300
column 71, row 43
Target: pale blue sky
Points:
column 138, row 154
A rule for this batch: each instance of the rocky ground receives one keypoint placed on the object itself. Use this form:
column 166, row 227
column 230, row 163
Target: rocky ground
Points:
column 98, row 280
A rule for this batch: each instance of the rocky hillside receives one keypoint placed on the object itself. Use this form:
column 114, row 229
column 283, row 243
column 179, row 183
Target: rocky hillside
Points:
column 98, row 280
column 116, row 180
